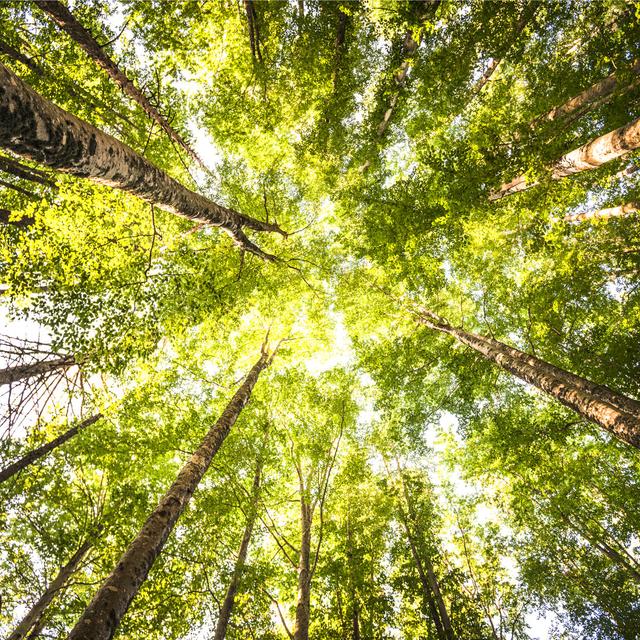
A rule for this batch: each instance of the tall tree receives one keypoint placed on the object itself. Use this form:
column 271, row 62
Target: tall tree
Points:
column 103, row 614
column 68, row 144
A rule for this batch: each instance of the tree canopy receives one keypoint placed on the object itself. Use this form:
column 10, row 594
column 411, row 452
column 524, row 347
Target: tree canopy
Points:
column 321, row 319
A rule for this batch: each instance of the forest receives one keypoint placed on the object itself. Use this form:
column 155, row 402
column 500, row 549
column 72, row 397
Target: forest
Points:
column 320, row 319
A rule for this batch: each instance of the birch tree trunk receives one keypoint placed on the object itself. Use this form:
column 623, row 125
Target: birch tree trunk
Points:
column 24, row 371
column 303, row 605
column 45, row 449
column 83, row 38
column 34, row 128
column 102, row 617
column 36, row 612
column 229, row 599
column 592, row 155
column 613, row 411
column 604, row 214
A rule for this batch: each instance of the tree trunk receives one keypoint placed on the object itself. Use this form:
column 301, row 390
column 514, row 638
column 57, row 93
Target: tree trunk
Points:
column 355, row 605
column 34, row 128
column 595, row 93
column 430, row 584
column 303, row 605
column 227, row 605
column 36, row 612
column 101, row 618
column 17, row 56
column 68, row 23
column 615, row 412
column 592, row 155
column 409, row 47
column 23, row 371
column 23, row 223
column 22, row 171
column 604, row 214
column 45, row 449
column 339, row 46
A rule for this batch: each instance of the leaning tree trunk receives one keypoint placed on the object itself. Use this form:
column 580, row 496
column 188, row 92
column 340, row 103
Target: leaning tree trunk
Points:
column 604, row 214
column 18, row 56
column 596, row 93
column 22, row 171
column 303, row 604
column 613, row 411
column 21, row 223
column 24, row 371
column 83, row 38
column 45, row 449
column 34, row 128
column 37, row 611
column 229, row 599
column 592, row 155
column 101, row 618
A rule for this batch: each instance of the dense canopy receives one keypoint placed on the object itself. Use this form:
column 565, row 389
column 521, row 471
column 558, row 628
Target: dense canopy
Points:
column 321, row 319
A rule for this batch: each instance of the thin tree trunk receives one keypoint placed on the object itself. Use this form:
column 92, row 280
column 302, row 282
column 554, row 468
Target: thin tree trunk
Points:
column 22, row 171
column 615, row 412
column 36, row 612
column 339, row 46
column 595, row 93
column 355, row 605
column 17, row 56
column 45, row 449
column 592, row 155
column 68, row 23
column 24, row 371
column 485, row 77
column 23, row 223
column 229, row 599
column 102, row 617
column 409, row 48
column 604, row 214
column 64, row 142
column 428, row 578
column 18, row 189
column 303, row 605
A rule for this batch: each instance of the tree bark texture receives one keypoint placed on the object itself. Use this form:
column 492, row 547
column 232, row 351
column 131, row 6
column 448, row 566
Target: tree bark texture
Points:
column 232, row 589
column 68, row 23
column 34, row 128
column 45, row 449
column 38, row 609
column 613, row 411
column 24, row 371
column 101, row 618
column 303, row 604
column 592, row 155
column 619, row 211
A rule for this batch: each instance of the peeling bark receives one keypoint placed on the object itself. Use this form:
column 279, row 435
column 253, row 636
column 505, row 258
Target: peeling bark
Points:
column 45, row 449
column 68, row 23
column 608, row 147
column 102, row 617
column 604, row 214
column 613, row 411
column 36, row 612
column 232, row 589
column 24, row 371
column 36, row 129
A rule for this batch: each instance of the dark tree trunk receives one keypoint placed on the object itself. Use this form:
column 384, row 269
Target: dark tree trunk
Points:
column 232, row 589
column 45, row 449
column 24, row 371
column 22, row 171
column 102, row 617
column 34, row 128
column 23, row 223
column 18, row 56
column 615, row 412
column 608, row 147
column 68, row 23
column 36, row 612
column 303, row 604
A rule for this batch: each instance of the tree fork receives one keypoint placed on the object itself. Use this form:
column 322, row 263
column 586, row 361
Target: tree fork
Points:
column 102, row 617
column 613, row 411
column 36, row 129
column 45, row 449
